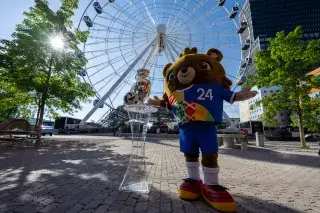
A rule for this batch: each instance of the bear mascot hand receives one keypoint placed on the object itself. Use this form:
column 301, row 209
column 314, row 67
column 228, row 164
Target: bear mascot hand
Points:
column 156, row 101
column 245, row 94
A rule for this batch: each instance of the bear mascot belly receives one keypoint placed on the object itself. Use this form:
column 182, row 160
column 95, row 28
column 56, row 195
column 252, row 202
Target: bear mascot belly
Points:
column 195, row 88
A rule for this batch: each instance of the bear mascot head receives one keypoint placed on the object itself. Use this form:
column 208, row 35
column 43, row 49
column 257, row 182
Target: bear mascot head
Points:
column 193, row 68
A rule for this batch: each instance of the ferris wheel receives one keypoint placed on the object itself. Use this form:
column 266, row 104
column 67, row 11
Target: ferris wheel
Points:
column 126, row 35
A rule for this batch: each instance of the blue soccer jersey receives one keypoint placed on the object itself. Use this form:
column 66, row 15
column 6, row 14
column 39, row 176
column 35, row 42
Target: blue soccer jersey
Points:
column 200, row 102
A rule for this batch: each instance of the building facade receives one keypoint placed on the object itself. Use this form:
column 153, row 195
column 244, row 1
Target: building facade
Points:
column 315, row 92
column 265, row 18
column 248, row 113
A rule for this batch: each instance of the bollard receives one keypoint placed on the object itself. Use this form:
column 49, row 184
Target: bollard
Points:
column 237, row 140
column 220, row 140
column 244, row 145
column 259, row 140
column 228, row 142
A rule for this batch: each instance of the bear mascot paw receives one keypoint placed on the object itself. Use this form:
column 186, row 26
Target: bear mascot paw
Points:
column 195, row 87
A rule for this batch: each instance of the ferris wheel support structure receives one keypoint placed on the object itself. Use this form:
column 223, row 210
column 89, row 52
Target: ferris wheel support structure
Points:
column 152, row 44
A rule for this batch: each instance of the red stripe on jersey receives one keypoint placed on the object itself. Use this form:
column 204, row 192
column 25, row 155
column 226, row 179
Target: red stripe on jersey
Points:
column 171, row 100
column 190, row 110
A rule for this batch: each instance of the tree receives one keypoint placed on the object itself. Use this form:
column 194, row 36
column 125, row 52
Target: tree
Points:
column 46, row 59
column 311, row 115
column 285, row 64
column 13, row 102
column 268, row 120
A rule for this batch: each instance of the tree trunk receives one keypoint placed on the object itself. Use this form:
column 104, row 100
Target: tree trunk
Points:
column 301, row 129
column 38, row 113
column 44, row 97
column 41, row 110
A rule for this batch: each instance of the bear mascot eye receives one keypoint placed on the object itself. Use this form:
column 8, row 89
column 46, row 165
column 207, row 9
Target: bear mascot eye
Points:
column 204, row 66
column 171, row 76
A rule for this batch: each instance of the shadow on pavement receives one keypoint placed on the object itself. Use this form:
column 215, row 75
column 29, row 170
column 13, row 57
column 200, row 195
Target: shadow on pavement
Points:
column 85, row 178
column 252, row 204
column 163, row 141
column 58, row 177
column 267, row 155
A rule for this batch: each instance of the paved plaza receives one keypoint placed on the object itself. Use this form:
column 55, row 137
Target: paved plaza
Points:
column 83, row 174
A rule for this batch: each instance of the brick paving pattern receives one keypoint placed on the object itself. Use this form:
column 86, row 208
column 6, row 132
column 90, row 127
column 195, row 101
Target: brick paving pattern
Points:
column 83, row 174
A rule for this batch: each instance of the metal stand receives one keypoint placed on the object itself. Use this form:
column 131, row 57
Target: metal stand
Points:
column 135, row 178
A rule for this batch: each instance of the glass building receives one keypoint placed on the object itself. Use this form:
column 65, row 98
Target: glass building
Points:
column 271, row 16
column 265, row 18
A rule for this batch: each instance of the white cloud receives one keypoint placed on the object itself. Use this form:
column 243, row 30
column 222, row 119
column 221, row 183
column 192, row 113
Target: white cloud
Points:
column 232, row 109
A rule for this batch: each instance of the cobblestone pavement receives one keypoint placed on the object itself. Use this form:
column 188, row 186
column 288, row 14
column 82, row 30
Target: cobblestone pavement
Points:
column 82, row 174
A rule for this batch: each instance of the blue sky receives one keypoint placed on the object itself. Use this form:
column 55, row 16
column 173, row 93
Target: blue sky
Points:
column 12, row 14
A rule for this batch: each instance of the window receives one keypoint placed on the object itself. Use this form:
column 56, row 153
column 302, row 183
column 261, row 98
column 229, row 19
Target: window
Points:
column 48, row 123
column 73, row 121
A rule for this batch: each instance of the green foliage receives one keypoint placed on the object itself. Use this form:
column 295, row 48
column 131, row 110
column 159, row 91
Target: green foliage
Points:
column 82, row 35
column 285, row 64
column 311, row 115
column 49, row 75
column 268, row 120
column 13, row 102
column 271, row 108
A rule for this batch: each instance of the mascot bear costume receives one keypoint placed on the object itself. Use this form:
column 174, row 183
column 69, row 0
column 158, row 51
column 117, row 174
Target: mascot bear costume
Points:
column 195, row 87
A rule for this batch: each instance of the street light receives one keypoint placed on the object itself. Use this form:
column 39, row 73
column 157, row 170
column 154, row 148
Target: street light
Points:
column 57, row 42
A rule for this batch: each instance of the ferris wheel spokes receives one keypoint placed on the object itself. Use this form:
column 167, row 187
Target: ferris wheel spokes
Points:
column 166, row 55
column 130, row 16
column 115, row 59
column 172, row 47
column 122, row 77
column 170, row 53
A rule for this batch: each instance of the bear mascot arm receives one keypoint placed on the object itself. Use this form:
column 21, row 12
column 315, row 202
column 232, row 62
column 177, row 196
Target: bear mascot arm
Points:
column 164, row 102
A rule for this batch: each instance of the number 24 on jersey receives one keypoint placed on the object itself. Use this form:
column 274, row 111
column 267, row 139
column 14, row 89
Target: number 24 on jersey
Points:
column 204, row 94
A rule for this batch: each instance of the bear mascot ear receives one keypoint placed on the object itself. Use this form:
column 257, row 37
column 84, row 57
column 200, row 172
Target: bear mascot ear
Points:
column 227, row 83
column 188, row 51
column 165, row 69
column 215, row 53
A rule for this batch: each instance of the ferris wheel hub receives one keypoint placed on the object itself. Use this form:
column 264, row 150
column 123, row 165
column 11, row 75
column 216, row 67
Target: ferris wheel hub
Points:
column 161, row 28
